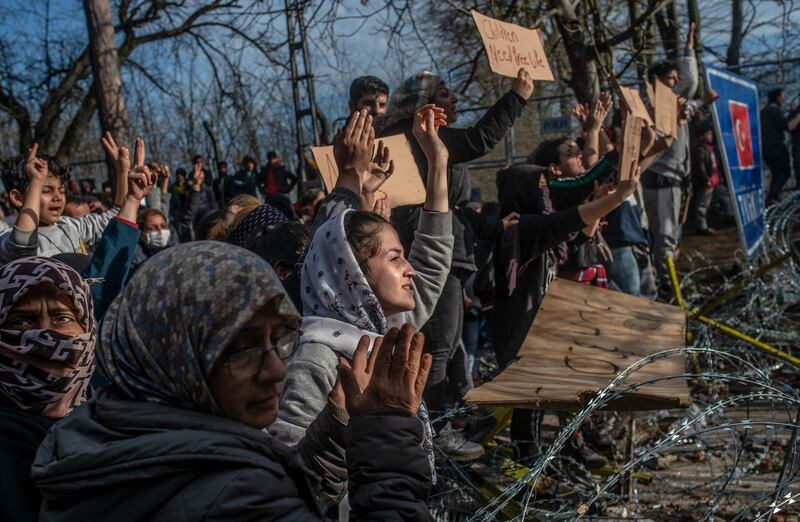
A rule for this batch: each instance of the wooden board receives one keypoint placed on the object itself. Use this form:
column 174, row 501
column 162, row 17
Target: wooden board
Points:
column 631, row 145
column 511, row 47
column 404, row 187
column 581, row 339
column 666, row 108
column 634, row 104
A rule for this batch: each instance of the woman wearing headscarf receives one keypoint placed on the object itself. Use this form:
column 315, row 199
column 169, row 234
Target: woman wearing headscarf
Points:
column 442, row 333
column 249, row 226
column 356, row 282
column 196, row 376
column 47, row 336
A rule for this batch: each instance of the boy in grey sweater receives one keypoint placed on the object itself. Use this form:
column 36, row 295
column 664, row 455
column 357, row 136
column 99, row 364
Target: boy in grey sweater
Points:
column 35, row 184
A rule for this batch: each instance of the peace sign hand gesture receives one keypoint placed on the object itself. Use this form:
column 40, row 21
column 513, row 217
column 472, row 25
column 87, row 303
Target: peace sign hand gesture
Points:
column 35, row 167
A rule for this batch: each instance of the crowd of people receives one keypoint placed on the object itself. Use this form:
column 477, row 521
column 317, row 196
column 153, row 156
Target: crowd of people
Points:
column 200, row 346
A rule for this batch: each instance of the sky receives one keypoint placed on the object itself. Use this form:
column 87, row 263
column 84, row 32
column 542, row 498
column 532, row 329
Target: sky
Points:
column 23, row 22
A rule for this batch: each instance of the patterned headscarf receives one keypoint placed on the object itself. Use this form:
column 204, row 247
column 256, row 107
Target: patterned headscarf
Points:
column 245, row 234
column 332, row 284
column 25, row 379
column 415, row 92
column 334, row 287
column 161, row 337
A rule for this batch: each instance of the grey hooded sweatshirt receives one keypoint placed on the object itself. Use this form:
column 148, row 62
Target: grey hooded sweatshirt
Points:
column 337, row 324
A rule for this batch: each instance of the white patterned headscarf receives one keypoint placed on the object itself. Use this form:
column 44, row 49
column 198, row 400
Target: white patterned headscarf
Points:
column 333, row 285
column 27, row 379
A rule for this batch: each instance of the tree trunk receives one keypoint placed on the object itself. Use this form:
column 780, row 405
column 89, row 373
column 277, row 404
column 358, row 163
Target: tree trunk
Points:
column 667, row 20
column 214, row 143
column 582, row 60
column 735, row 45
column 80, row 121
column 639, row 43
column 105, row 68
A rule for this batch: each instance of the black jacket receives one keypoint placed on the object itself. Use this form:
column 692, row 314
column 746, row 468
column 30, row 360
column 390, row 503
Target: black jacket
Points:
column 240, row 183
column 701, row 166
column 20, row 435
column 125, row 460
column 518, row 191
column 284, row 179
column 463, row 145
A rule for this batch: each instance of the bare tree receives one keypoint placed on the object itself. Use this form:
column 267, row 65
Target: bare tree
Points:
column 105, row 68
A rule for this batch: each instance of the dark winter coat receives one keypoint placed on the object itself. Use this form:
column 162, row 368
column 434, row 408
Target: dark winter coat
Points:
column 519, row 191
column 20, row 435
column 126, row 460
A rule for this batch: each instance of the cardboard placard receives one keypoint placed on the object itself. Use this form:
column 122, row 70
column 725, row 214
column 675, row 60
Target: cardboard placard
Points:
column 510, row 47
column 582, row 338
column 631, row 145
column 666, row 105
column 404, row 187
column 634, row 104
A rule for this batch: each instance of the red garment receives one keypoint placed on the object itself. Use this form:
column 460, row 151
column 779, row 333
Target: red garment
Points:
column 713, row 177
column 271, row 186
column 594, row 275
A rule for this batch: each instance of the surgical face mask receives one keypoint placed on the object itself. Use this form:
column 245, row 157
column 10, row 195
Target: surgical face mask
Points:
column 157, row 238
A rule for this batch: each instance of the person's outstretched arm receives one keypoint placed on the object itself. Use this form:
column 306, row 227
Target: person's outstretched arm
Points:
column 432, row 250
column 689, row 76
column 113, row 256
column 23, row 240
column 476, row 141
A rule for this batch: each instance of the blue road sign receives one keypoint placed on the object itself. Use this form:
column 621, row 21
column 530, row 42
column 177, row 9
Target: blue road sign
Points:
column 739, row 132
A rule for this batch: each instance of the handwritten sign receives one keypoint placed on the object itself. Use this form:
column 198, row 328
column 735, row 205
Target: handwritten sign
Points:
column 666, row 104
column 404, row 187
column 581, row 339
column 511, row 47
column 634, row 104
column 631, row 145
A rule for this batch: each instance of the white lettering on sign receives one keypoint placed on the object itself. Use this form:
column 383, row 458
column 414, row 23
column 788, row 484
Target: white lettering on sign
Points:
column 748, row 204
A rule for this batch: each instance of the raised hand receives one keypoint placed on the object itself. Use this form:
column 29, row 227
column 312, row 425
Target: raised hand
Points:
column 427, row 120
column 196, row 182
column 119, row 154
column 580, row 112
column 628, row 187
column 523, row 84
column 683, row 110
column 361, row 367
column 597, row 113
column 381, row 207
column 35, row 167
column 141, row 180
column 604, row 189
column 510, row 220
column 397, row 379
column 352, row 146
column 380, row 169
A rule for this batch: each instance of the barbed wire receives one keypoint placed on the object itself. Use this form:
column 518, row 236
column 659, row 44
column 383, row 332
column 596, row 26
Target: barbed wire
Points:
column 732, row 454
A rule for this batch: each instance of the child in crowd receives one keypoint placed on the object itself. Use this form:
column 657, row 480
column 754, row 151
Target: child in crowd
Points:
column 35, row 183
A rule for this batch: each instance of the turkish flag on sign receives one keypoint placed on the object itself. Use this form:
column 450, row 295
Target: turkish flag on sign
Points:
column 740, row 119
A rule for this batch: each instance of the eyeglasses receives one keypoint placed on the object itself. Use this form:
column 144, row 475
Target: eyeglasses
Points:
column 249, row 361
